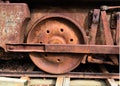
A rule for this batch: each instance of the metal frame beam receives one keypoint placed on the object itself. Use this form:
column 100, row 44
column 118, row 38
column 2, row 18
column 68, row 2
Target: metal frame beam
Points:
column 63, row 48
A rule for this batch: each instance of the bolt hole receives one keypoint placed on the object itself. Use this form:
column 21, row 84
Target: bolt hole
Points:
column 58, row 60
column 40, row 42
column 61, row 30
column 48, row 31
column 71, row 40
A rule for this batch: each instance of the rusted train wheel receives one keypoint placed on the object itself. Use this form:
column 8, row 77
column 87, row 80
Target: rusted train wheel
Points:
column 56, row 30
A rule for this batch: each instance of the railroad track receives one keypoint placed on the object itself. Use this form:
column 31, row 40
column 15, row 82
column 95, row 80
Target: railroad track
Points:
column 70, row 79
column 85, row 73
column 99, row 77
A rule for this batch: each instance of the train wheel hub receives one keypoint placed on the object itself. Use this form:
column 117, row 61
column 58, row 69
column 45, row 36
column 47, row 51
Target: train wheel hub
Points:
column 55, row 31
column 56, row 40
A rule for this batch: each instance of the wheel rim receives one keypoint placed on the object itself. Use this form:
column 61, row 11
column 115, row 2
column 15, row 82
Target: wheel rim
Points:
column 55, row 30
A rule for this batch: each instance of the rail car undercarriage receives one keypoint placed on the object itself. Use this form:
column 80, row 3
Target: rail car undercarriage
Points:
column 58, row 39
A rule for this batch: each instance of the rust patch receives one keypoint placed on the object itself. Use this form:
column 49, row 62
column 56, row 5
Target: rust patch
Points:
column 12, row 18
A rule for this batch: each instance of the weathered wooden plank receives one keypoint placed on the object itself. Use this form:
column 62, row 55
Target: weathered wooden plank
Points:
column 12, row 82
column 66, row 82
column 59, row 81
column 110, row 82
column 41, row 82
column 82, row 82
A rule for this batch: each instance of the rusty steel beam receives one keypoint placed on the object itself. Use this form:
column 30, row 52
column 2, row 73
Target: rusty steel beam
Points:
column 93, row 31
column 107, row 31
column 108, row 35
column 118, row 28
column 87, row 75
column 94, row 26
column 63, row 48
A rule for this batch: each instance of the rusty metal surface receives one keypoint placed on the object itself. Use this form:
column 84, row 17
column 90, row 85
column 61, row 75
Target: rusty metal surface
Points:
column 70, row 75
column 107, row 31
column 63, row 48
column 108, row 35
column 55, row 29
column 99, row 61
column 57, row 35
column 12, row 22
column 93, row 32
column 118, row 28
column 77, row 14
column 62, row 36
column 94, row 26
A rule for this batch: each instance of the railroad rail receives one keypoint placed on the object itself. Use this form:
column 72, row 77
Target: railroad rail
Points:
column 39, row 78
column 70, row 75
column 69, row 79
